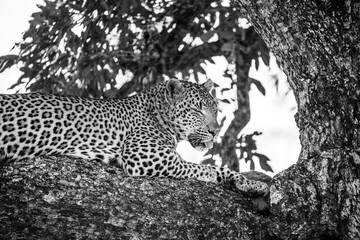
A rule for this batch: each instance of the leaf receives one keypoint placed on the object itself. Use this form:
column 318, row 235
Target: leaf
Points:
column 210, row 60
column 263, row 162
column 200, row 69
column 224, row 101
column 250, row 142
column 258, row 85
column 7, row 61
column 208, row 161
column 18, row 82
column 265, row 56
column 224, row 89
column 256, row 133
column 206, row 36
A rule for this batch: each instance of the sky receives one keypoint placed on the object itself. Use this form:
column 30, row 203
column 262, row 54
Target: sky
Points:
column 273, row 114
column 14, row 18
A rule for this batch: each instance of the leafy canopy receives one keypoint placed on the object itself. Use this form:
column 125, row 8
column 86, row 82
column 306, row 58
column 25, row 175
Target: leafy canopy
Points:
column 88, row 48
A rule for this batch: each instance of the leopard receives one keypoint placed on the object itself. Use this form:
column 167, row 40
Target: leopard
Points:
column 138, row 133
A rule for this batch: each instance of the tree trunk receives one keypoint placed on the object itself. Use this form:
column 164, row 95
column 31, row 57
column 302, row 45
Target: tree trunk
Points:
column 317, row 44
column 227, row 147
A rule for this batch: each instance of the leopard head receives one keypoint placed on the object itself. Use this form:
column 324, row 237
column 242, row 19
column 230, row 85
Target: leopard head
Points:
column 195, row 112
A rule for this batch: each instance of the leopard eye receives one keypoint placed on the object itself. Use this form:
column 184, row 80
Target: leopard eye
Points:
column 200, row 105
column 198, row 111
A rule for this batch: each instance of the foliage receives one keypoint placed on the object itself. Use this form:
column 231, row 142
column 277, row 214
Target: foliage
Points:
column 80, row 47
column 110, row 48
column 247, row 151
column 247, row 147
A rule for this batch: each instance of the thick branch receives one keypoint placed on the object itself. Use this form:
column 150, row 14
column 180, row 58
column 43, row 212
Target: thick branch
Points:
column 318, row 48
column 68, row 198
column 317, row 44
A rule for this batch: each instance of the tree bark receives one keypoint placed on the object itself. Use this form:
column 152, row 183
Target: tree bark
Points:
column 72, row 198
column 317, row 44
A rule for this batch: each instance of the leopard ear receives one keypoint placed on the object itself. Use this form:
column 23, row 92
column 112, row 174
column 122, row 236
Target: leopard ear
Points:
column 208, row 84
column 173, row 90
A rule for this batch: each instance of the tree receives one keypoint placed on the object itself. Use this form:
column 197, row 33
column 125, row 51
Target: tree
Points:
column 317, row 44
column 91, row 48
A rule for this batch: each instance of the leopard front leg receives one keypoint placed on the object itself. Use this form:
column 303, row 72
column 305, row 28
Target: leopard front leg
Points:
column 221, row 175
column 247, row 186
column 159, row 159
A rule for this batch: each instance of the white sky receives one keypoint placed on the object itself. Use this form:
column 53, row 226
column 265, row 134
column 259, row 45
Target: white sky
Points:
column 273, row 115
column 14, row 17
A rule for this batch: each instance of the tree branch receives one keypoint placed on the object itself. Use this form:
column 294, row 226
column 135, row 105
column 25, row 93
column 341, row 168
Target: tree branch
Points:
column 318, row 49
column 67, row 198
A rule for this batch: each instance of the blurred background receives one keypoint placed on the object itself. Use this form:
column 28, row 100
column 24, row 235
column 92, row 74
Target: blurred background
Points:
column 150, row 41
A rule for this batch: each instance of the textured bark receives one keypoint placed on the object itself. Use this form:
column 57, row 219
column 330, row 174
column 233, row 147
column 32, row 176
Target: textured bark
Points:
column 71, row 198
column 317, row 44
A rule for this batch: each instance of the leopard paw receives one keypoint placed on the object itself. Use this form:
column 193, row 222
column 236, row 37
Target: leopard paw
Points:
column 253, row 188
